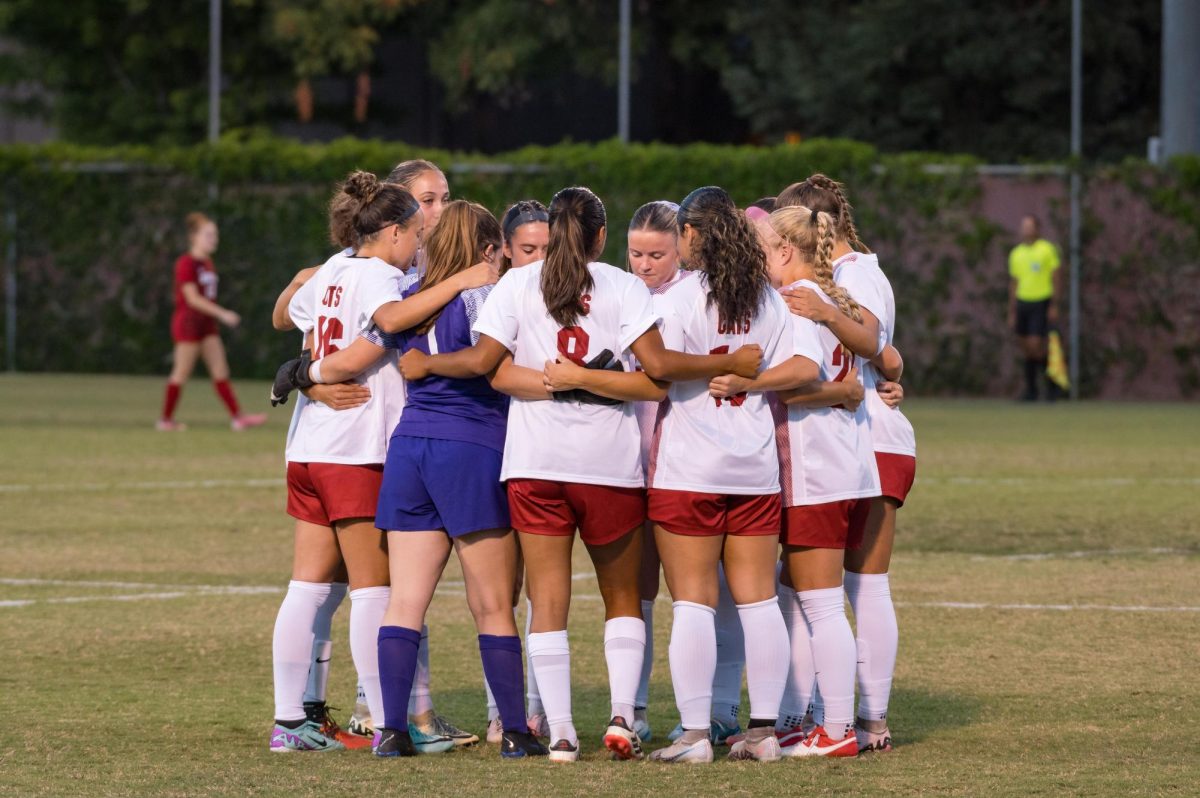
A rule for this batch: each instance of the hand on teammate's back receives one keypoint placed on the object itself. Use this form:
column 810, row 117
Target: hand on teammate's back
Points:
column 892, row 393
column 414, row 364
column 805, row 302
column 341, row 396
column 479, row 275
column 854, row 391
column 746, row 361
column 561, row 375
column 727, row 385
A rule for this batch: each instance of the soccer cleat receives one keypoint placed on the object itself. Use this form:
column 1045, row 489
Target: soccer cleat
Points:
column 495, row 731
column 318, row 712
column 680, row 752
column 305, row 737
column 393, row 742
column 247, row 421
column 789, row 737
column 719, row 733
column 538, row 725
column 515, row 745
column 675, row 733
column 641, row 725
column 429, row 743
column 819, row 743
column 765, row 750
column 622, row 740
column 434, row 725
column 167, row 425
column 360, row 724
column 564, row 751
column 872, row 742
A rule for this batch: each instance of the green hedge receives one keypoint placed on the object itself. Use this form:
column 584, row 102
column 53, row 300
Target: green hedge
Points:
column 98, row 231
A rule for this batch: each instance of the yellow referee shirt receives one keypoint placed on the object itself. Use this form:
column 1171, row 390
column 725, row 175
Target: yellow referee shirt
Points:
column 1032, row 266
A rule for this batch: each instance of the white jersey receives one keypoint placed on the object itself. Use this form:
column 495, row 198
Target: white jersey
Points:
column 336, row 305
column 825, row 453
column 569, row 441
column 723, row 446
column 647, row 412
column 860, row 275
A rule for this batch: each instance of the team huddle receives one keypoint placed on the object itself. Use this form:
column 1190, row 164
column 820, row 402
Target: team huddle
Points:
column 725, row 410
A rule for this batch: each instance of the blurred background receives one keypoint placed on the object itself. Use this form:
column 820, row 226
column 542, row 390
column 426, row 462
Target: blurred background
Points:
column 947, row 121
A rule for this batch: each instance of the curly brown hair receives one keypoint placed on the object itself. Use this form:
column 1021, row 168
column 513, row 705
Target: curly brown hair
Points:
column 728, row 251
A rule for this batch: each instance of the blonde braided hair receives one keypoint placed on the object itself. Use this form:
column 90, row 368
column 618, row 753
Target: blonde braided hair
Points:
column 812, row 234
column 825, row 194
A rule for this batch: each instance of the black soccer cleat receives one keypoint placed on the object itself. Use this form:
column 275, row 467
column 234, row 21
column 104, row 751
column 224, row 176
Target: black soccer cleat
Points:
column 516, row 744
column 394, row 743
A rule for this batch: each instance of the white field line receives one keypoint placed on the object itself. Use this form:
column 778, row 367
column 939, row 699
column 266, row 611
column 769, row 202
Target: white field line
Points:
column 185, row 484
column 454, row 588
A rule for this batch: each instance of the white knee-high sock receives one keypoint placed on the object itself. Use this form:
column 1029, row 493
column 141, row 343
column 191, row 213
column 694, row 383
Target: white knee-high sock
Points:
column 318, row 671
column 731, row 656
column 533, row 696
column 550, row 653
column 367, row 607
column 878, row 639
column 292, row 645
column 767, row 656
column 642, row 700
column 834, row 655
column 624, row 650
column 693, row 656
column 420, row 700
column 801, row 674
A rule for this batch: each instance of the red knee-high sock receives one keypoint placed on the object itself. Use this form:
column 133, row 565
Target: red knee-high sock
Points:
column 170, row 400
column 225, row 391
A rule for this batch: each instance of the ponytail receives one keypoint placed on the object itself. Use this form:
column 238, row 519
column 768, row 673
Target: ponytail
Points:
column 576, row 220
column 821, row 193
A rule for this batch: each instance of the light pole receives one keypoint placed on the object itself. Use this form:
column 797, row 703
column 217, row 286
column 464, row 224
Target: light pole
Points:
column 623, row 72
column 214, row 70
column 1076, row 186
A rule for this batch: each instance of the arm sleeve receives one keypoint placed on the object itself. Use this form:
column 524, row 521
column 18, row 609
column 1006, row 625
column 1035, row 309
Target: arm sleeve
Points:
column 637, row 311
column 301, row 307
column 185, row 271
column 498, row 316
column 381, row 287
column 782, row 344
column 378, row 337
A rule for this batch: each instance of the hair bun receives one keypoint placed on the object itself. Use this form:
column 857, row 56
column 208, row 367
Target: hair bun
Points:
column 361, row 185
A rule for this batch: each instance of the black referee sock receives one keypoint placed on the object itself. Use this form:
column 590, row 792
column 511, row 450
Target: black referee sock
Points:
column 1031, row 377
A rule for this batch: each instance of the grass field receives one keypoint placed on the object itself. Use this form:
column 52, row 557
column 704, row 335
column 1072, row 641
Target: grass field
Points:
column 1047, row 581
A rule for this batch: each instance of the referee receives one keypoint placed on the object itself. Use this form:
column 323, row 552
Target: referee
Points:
column 1033, row 292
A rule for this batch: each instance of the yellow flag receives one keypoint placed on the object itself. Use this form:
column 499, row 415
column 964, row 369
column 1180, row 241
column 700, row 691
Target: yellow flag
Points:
column 1056, row 363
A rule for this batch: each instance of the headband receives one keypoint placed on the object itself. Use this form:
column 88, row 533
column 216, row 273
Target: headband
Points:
column 409, row 213
column 525, row 217
column 755, row 213
column 813, row 218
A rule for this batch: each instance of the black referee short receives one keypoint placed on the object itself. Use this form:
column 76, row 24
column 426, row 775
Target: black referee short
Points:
column 1033, row 319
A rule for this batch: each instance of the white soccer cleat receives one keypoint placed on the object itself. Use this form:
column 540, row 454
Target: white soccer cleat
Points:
column 819, row 743
column 563, row 751
column 680, row 752
column 873, row 742
column 765, row 750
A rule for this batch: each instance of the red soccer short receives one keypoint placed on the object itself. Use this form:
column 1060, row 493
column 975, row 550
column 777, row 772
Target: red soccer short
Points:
column 192, row 327
column 323, row 493
column 685, row 512
column 896, row 474
column 601, row 513
column 832, row 525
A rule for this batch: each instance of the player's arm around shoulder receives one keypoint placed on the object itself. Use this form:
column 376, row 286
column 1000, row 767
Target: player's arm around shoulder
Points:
column 280, row 318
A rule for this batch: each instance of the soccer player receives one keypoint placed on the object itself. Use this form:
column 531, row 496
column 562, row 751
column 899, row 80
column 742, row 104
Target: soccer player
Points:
column 573, row 463
column 714, row 474
column 526, row 228
column 1034, row 286
column 194, row 327
column 829, row 476
column 335, row 457
column 426, row 182
column 867, row 585
column 448, row 445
